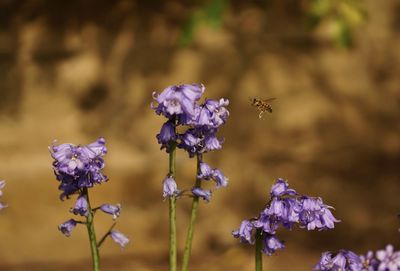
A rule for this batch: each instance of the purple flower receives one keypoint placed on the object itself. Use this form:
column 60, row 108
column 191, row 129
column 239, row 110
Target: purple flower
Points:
column 166, row 135
column 369, row 262
column 178, row 100
column 206, row 172
column 204, row 194
column 316, row 215
column 281, row 188
column 170, row 187
column 211, row 142
column 191, row 141
column 119, row 238
column 81, row 206
column 267, row 223
column 287, row 208
column 200, row 140
column 277, row 209
column 2, row 184
column 219, row 178
column 389, row 260
column 245, row 232
column 67, row 227
column 271, row 244
column 212, row 113
column 78, row 166
column 113, row 210
column 343, row 260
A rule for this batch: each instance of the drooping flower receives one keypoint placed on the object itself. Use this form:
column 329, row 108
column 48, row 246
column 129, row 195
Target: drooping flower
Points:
column 211, row 142
column 81, row 206
column 281, row 188
column 315, row 214
column 166, row 135
column 271, row 244
column 206, row 172
column 287, row 208
column 67, row 227
column 170, row 187
column 389, row 260
column 212, row 113
column 201, row 193
column 178, row 101
column 245, row 232
column 2, row 184
column 219, row 178
column 119, row 238
column 343, row 260
column 78, row 166
column 114, row 210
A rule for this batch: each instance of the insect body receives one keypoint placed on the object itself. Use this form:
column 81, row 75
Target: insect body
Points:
column 262, row 105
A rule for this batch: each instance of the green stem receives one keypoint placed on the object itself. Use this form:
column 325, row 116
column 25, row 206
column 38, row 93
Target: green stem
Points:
column 172, row 212
column 99, row 243
column 258, row 256
column 193, row 215
column 92, row 235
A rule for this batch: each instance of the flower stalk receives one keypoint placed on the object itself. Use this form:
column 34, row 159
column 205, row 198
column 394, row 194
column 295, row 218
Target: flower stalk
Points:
column 172, row 211
column 193, row 215
column 92, row 234
column 258, row 254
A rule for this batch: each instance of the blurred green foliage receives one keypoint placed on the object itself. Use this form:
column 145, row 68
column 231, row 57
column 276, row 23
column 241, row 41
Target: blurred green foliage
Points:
column 338, row 17
column 211, row 14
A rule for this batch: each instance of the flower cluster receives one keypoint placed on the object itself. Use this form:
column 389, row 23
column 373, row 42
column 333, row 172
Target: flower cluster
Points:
column 286, row 208
column 78, row 168
column 200, row 124
column 382, row 260
column 2, row 184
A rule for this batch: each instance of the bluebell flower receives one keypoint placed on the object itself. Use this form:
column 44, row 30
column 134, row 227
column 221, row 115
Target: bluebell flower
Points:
column 266, row 223
column 114, row 210
column 245, row 232
column 178, row 100
column 201, row 193
column 212, row 113
column 81, row 206
column 219, row 178
column 389, row 260
column 67, row 227
column 119, row 238
column 316, row 215
column 343, row 260
column 170, row 187
column 271, row 244
column 166, row 135
column 79, row 166
column 287, row 208
column 211, row 142
column 281, row 188
column 206, row 172
column 2, row 184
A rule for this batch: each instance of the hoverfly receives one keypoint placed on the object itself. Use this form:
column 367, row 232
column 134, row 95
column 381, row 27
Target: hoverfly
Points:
column 262, row 105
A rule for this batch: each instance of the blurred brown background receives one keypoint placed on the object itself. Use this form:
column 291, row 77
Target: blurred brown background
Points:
column 77, row 70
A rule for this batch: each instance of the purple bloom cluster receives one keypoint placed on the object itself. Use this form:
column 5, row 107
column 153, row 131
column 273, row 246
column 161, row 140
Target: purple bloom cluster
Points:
column 79, row 166
column 200, row 122
column 286, row 208
column 2, row 184
column 344, row 260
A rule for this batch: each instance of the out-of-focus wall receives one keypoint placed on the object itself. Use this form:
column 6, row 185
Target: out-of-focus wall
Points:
column 74, row 71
